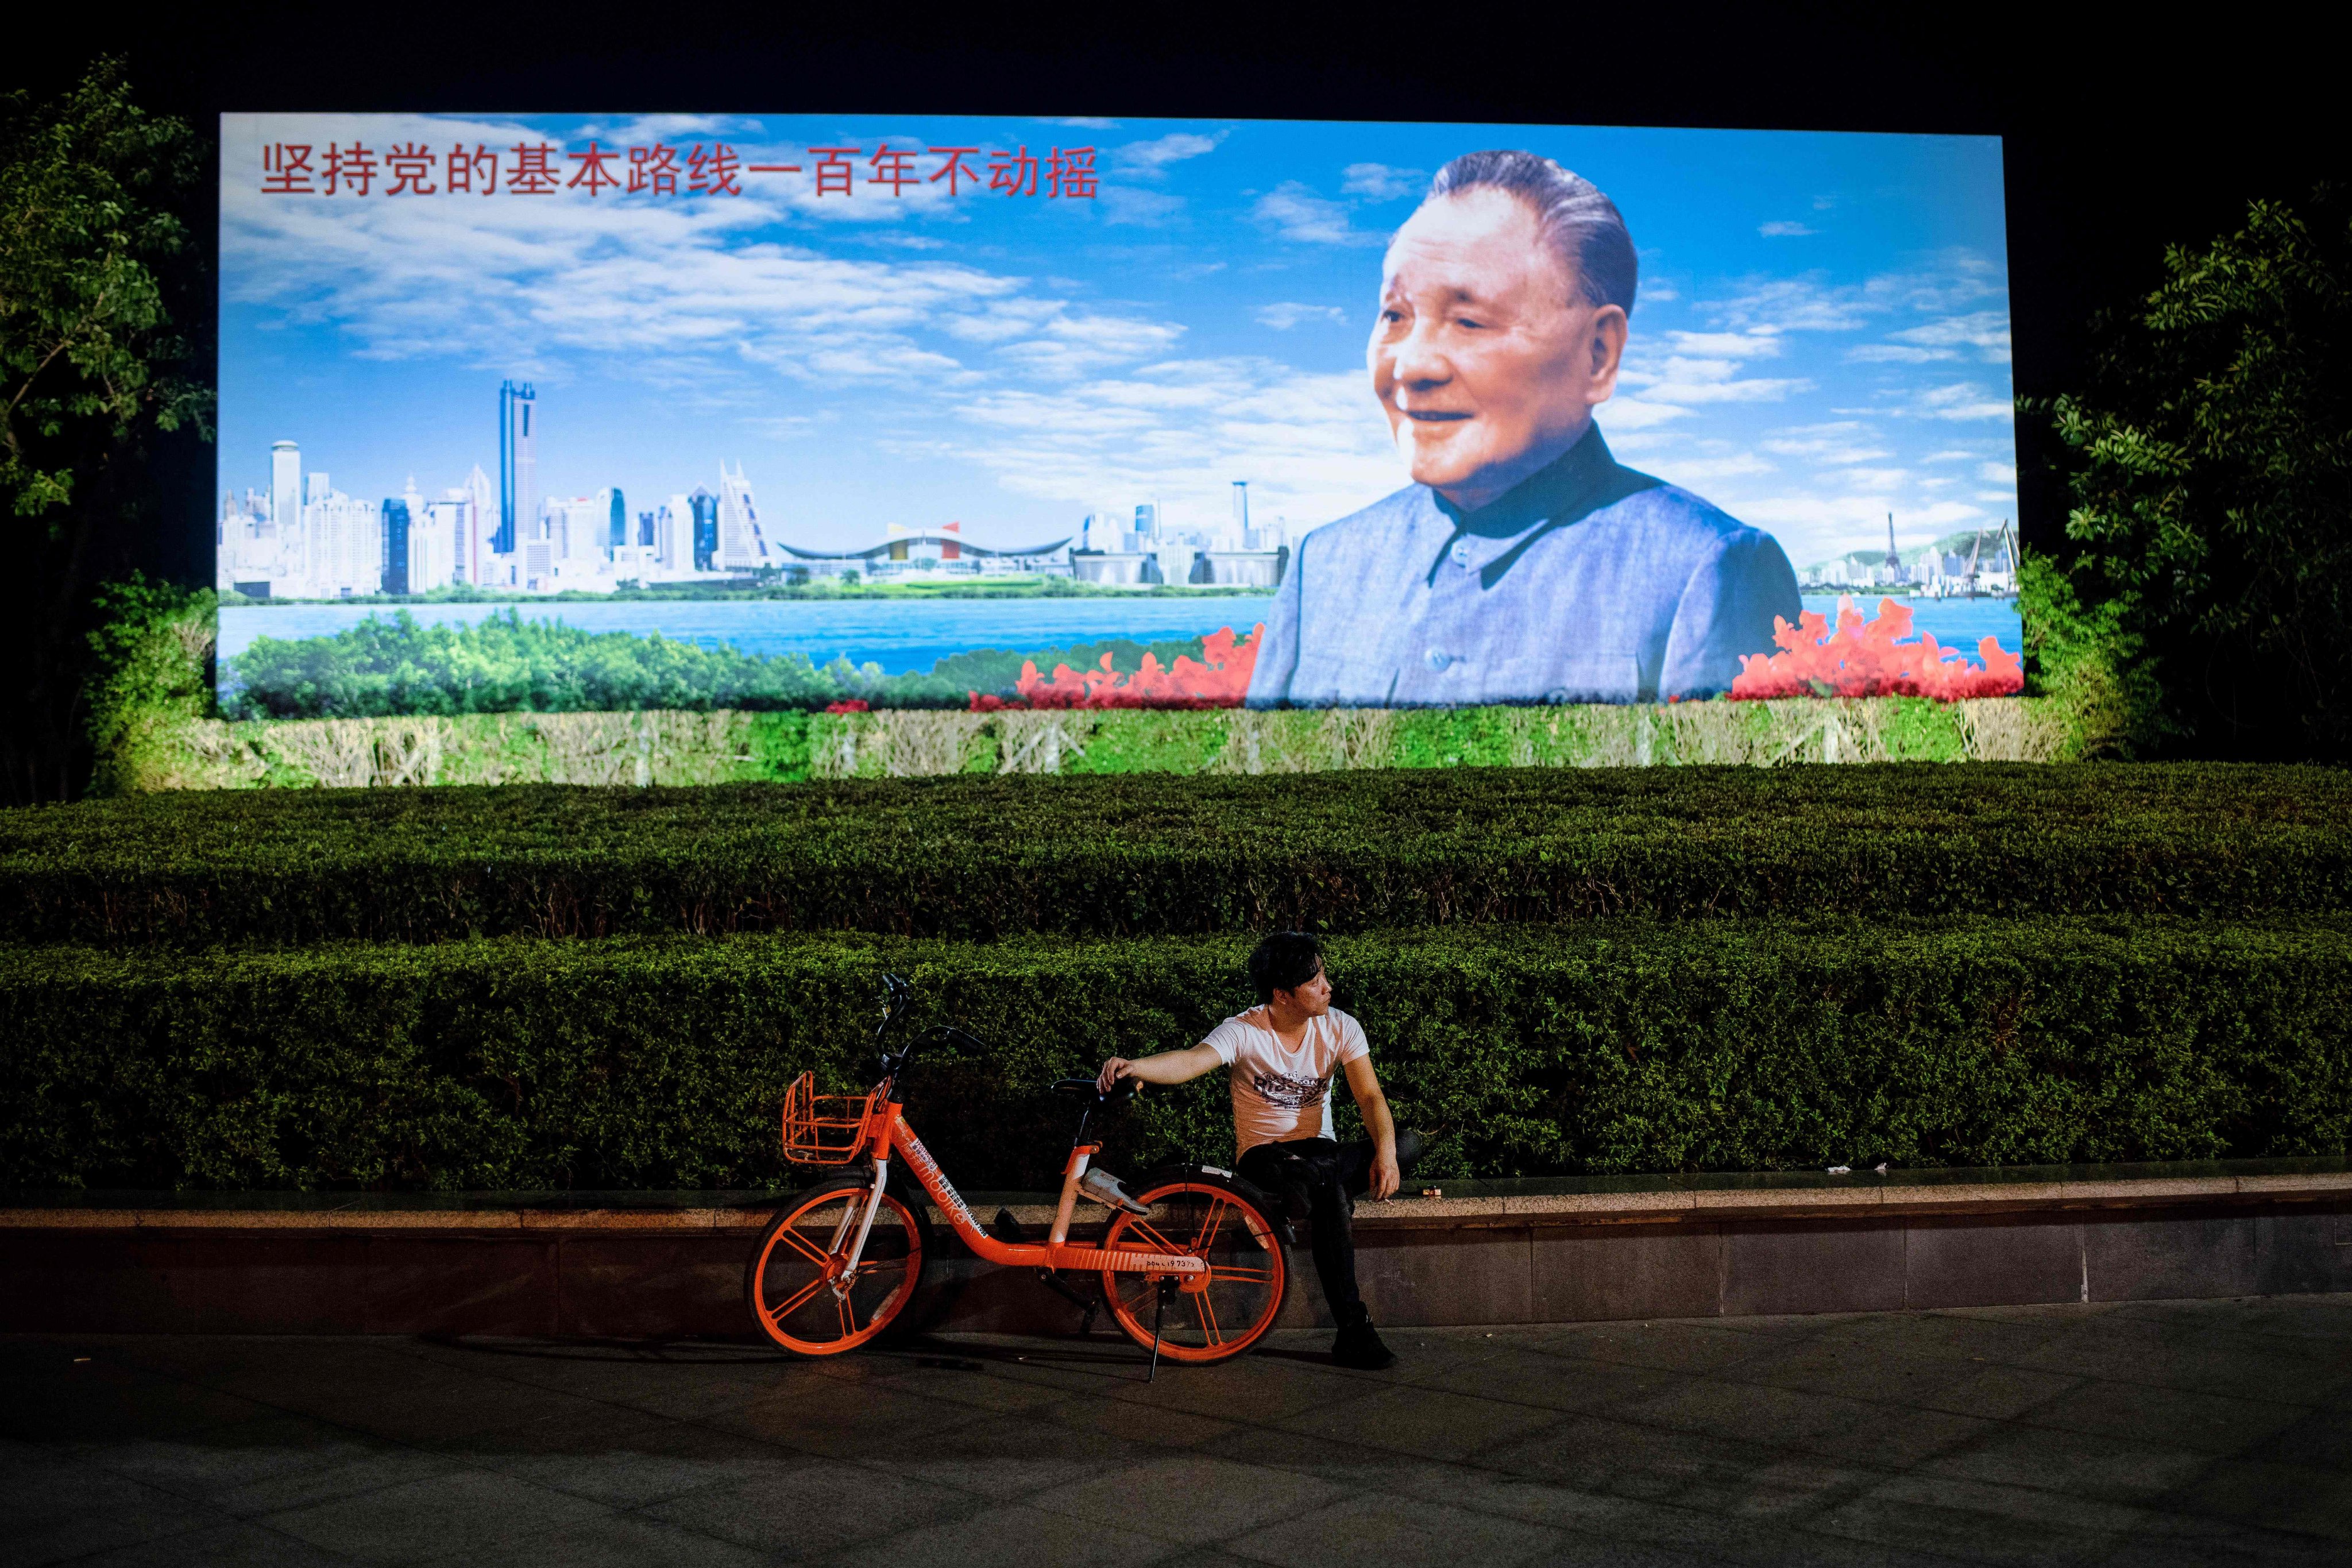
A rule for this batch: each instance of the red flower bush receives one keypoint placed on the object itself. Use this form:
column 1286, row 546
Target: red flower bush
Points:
column 1219, row 678
column 849, row 705
column 1870, row 659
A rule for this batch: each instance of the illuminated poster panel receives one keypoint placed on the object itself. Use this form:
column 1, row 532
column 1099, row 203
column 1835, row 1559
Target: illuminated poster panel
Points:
column 933, row 411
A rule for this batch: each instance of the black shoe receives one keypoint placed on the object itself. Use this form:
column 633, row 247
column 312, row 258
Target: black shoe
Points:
column 1357, row 1346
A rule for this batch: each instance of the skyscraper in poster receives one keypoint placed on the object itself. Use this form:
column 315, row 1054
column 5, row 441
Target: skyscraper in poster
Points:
column 286, row 496
column 518, row 464
column 741, row 546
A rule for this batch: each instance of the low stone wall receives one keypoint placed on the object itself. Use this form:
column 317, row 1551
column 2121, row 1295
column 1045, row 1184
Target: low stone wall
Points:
column 665, row 1265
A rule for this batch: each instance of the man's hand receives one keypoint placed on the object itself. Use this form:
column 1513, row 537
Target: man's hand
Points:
column 1386, row 1178
column 1161, row 1067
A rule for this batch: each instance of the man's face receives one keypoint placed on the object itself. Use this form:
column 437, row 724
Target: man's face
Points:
column 1314, row 998
column 1486, row 355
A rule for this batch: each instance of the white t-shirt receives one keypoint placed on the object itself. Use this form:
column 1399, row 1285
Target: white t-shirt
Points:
column 1279, row 1095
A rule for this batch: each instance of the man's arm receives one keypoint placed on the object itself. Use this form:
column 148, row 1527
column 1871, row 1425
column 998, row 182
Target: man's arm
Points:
column 1167, row 1066
column 1365, row 1085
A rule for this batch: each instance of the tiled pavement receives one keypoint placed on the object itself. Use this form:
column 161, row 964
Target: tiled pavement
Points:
column 2205, row 1432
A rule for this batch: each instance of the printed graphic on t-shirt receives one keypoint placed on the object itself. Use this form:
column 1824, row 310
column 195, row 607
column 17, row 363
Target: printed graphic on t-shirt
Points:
column 1290, row 1093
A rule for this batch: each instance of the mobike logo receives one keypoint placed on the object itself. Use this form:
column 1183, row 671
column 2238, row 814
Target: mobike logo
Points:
column 1171, row 1266
column 935, row 1181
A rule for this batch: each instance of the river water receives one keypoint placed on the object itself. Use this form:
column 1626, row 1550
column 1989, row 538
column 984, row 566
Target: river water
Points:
column 905, row 636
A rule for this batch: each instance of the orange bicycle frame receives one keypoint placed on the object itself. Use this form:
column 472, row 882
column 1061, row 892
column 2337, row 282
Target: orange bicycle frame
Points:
column 886, row 1132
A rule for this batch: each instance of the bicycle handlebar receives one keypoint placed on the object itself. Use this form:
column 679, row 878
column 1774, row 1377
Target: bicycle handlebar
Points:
column 898, row 995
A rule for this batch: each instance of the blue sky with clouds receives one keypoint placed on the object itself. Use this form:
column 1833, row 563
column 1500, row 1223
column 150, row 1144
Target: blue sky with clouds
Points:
column 1821, row 334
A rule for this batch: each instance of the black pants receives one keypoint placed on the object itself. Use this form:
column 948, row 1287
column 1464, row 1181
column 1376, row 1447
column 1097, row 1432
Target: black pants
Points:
column 1316, row 1181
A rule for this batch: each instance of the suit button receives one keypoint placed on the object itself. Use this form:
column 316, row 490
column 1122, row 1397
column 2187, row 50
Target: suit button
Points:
column 1462, row 552
column 1437, row 659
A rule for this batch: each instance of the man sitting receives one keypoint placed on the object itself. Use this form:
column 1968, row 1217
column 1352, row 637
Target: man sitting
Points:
column 1283, row 1054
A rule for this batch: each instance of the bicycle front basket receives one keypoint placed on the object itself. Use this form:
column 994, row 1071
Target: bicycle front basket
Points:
column 824, row 1129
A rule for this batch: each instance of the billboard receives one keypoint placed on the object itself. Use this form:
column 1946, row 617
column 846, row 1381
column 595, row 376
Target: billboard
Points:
column 762, row 410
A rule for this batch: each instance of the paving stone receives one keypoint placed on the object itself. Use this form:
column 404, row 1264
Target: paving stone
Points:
column 1979, row 1523
column 227, row 1546
column 465, row 1509
column 66, row 1510
column 2211, row 1423
column 2147, row 1433
column 1193, row 1498
column 2112, row 1469
column 1013, row 1536
column 1426, row 1422
column 811, row 1507
column 1396, row 1532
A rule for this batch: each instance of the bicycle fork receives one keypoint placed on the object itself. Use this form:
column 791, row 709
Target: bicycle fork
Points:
column 848, row 1273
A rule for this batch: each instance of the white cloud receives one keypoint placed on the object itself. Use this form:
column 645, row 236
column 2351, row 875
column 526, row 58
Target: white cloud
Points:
column 1314, row 447
column 651, row 130
column 1071, row 346
column 1838, row 443
column 1379, row 182
column 1950, row 455
column 1153, row 157
column 1949, row 281
column 1726, row 345
column 1636, row 413
column 1286, row 315
column 1998, row 473
column 1659, row 292
column 1691, row 472
column 1962, row 400
column 1782, row 228
column 1872, row 478
column 1296, row 212
column 1084, row 122
column 1984, row 332
column 1688, row 379
column 1143, row 209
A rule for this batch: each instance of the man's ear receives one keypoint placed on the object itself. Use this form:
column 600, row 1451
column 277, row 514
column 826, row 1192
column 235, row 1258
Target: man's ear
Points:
column 1605, row 340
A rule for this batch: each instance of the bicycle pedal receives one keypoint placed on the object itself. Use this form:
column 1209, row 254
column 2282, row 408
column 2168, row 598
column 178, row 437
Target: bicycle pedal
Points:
column 1007, row 1229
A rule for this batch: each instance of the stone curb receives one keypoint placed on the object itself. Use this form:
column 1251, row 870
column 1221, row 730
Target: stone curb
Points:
column 1866, row 1196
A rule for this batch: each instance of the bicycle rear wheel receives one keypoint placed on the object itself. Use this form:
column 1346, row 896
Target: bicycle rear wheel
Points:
column 800, row 1287
column 1229, row 1310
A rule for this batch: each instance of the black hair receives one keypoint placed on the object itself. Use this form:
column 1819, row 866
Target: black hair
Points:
column 1582, row 226
column 1284, row 961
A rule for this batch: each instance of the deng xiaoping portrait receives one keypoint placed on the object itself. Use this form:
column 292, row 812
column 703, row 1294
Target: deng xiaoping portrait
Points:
column 1523, row 564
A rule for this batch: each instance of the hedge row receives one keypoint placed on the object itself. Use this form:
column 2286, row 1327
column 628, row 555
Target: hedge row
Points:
column 981, row 858
column 658, row 1062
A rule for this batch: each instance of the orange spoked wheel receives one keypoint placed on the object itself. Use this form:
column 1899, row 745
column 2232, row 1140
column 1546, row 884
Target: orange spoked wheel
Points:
column 1204, row 1318
column 801, row 1288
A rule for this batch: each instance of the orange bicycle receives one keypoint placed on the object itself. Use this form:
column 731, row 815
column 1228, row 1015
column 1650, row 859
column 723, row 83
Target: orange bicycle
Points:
column 1191, row 1265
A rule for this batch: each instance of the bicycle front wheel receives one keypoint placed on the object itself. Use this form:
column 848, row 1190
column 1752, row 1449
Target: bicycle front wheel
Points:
column 1211, row 1317
column 800, row 1286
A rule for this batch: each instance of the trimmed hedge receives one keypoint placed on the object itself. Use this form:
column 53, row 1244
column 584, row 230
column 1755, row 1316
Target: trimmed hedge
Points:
column 658, row 1062
column 983, row 858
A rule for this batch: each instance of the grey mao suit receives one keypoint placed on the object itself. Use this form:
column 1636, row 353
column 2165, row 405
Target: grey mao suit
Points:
column 1587, row 583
